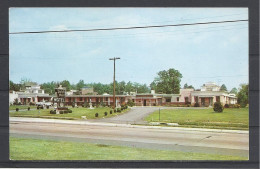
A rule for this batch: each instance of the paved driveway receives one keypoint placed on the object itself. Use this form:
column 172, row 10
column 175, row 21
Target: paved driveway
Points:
column 135, row 116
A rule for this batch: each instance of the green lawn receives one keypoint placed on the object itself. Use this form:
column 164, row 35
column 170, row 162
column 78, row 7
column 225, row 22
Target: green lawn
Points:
column 76, row 113
column 35, row 149
column 231, row 118
column 13, row 107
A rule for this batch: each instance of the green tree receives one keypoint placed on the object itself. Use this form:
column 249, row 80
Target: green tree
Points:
column 223, row 88
column 129, row 87
column 66, row 83
column 242, row 95
column 186, row 86
column 167, row 81
column 121, row 87
column 49, row 87
column 143, row 88
column 13, row 86
column 80, row 85
column 234, row 90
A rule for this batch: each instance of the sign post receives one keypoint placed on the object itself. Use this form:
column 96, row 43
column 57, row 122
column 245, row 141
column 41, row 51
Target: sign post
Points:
column 60, row 100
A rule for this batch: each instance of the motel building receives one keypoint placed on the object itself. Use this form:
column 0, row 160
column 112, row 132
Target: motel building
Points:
column 205, row 97
column 210, row 93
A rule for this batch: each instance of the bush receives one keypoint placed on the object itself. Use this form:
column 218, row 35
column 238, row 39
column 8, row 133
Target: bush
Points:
column 66, row 111
column 188, row 105
column 196, row 105
column 218, row 107
column 31, row 104
column 86, row 104
column 119, row 110
column 47, row 107
column 17, row 109
column 111, row 111
column 130, row 103
column 28, row 108
column 122, row 108
column 226, row 106
column 73, row 104
column 52, row 112
column 236, row 105
column 96, row 115
column 105, row 113
column 70, row 111
column 61, row 112
column 38, row 108
column 114, row 110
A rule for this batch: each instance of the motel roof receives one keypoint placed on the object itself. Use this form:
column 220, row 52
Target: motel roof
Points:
column 211, row 94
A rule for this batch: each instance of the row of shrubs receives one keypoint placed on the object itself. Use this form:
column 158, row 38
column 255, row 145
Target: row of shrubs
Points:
column 177, row 105
column 232, row 106
column 61, row 111
column 218, row 107
column 225, row 106
column 118, row 110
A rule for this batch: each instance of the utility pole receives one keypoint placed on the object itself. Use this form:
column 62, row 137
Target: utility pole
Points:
column 114, row 90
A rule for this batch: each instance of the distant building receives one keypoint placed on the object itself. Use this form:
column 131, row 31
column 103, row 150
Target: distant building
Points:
column 72, row 92
column 210, row 93
column 32, row 94
column 88, row 91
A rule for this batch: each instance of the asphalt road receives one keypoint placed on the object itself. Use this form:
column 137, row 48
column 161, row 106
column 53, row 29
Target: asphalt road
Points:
column 152, row 138
column 134, row 116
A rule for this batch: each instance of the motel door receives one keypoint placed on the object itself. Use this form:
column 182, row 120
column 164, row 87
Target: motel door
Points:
column 202, row 101
column 144, row 102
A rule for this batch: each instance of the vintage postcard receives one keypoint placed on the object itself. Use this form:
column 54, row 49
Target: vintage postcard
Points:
column 129, row 84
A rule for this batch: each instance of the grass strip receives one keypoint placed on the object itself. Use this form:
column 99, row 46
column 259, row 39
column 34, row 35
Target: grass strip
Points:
column 77, row 113
column 229, row 118
column 36, row 149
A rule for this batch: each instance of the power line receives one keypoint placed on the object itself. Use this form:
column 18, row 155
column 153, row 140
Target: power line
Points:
column 135, row 27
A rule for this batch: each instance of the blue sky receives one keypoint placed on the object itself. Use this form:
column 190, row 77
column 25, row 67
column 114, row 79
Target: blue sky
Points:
column 202, row 53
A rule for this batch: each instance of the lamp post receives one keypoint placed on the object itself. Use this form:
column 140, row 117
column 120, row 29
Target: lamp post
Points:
column 114, row 88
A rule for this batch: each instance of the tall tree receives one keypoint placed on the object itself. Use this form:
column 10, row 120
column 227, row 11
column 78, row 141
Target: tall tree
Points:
column 80, row 84
column 242, row 95
column 234, row 90
column 49, row 87
column 143, row 88
column 66, row 83
column 121, row 86
column 186, row 86
column 223, row 88
column 129, row 87
column 13, row 86
column 167, row 81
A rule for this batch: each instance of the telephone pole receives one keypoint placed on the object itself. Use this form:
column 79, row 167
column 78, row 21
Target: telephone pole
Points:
column 114, row 90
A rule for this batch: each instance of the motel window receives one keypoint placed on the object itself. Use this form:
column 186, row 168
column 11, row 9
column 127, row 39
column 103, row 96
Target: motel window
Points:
column 80, row 99
column 217, row 98
column 186, row 99
column 168, row 100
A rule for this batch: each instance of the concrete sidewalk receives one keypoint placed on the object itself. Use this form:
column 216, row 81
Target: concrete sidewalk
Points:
column 41, row 120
